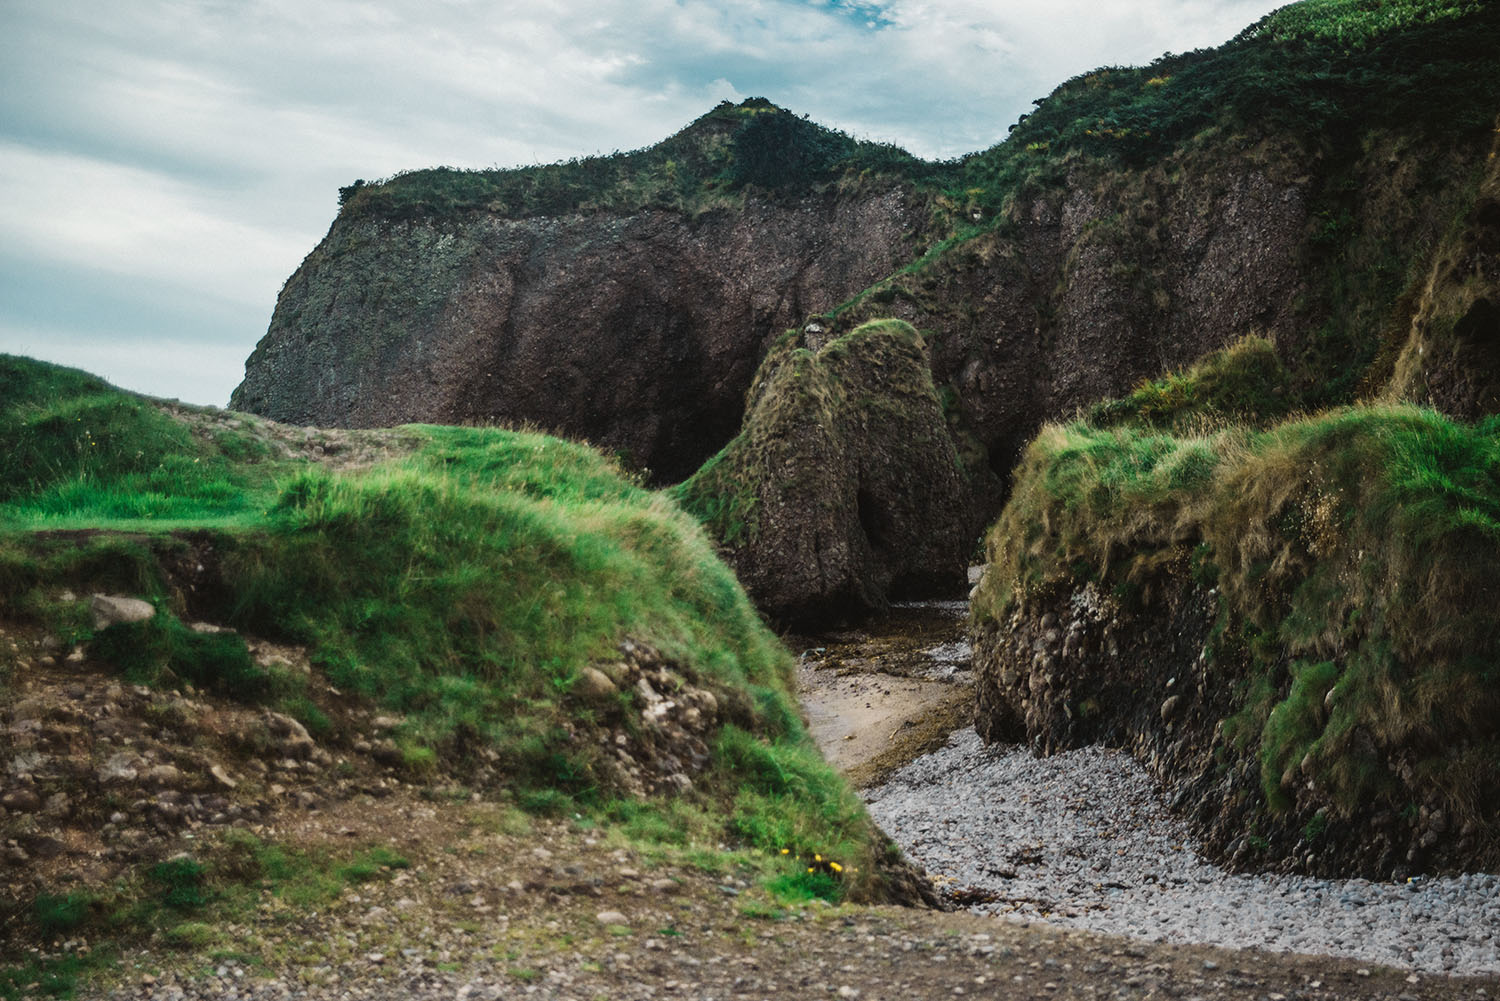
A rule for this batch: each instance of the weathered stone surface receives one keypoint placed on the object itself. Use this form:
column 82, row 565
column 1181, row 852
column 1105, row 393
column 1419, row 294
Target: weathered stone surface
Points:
column 844, row 485
column 1451, row 358
column 1138, row 678
column 639, row 332
column 21, row 799
column 113, row 609
column 594, row 685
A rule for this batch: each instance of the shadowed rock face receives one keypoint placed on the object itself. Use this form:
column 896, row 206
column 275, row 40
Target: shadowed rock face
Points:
column 1451, row 359
column 1100, row 283
column 844, row 485
column 638, row 332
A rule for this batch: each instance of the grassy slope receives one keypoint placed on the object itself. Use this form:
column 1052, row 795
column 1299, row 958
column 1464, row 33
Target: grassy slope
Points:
column 1356, row 550
column 465, row 585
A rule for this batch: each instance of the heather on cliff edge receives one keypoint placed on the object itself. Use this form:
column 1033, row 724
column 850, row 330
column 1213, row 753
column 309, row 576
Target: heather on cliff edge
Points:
column 1356, row 556
column 466, row 586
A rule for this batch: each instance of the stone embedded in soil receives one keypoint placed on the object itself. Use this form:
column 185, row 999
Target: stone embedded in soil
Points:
column 113, row 609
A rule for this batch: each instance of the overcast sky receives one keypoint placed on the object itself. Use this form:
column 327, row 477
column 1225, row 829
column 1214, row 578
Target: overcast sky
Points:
column 166, row 164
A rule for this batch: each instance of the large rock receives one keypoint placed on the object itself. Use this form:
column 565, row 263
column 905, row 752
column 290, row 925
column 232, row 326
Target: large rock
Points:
column 1451, row 358
column 844, row 485
column 113, row 609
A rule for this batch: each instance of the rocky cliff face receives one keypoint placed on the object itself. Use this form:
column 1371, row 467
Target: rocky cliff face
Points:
column 639, row 332
column 1086, row 668
column 1115, row 276
column 1451, row 357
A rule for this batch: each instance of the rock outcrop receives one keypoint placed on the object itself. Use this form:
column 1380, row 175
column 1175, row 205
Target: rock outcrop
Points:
column 1286, row 185
column 841, row 488
column 1085, row 668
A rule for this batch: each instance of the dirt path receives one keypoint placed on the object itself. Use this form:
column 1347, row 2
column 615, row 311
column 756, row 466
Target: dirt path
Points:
column 490, row 909
column 488, row 903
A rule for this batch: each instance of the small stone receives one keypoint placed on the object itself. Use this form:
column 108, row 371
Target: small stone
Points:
column 613, row 918
column 113, row 609
column 594, row 685
column 222, row 777
column 22, row 799
column 617, row 672
column 165, row 776
column 1170, row 707
column 848, row 992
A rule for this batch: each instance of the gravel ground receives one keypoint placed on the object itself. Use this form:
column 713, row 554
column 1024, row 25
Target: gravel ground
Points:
column 492, row 908
column 1081, row 840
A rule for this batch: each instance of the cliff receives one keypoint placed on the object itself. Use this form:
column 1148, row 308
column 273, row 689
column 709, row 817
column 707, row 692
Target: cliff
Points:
column 1291, row 184
column 623, row 300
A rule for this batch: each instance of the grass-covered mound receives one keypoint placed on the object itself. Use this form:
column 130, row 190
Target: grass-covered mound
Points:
column 465, row 586
column 1355, row 562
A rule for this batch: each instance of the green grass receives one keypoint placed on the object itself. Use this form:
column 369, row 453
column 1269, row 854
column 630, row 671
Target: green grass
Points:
column 183, row 902
column 464, row 585
column 1360, row 545
column 75, row 452
column 1245, row 383
column 707, row 165
column 1355, row 23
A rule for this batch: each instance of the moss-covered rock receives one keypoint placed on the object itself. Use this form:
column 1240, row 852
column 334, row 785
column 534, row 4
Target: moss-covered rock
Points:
column 844, row 486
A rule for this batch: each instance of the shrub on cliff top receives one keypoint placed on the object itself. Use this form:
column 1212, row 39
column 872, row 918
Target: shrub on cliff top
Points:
column 1363, row 544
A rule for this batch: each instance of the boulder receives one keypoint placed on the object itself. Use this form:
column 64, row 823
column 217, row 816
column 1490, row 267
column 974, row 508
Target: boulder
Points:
column 113, row 609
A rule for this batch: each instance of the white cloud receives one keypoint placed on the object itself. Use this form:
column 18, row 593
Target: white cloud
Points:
column 200, row 142
column 124, row 220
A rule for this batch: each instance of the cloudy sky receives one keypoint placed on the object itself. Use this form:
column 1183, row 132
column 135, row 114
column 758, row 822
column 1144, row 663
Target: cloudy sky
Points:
column 166, row 164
